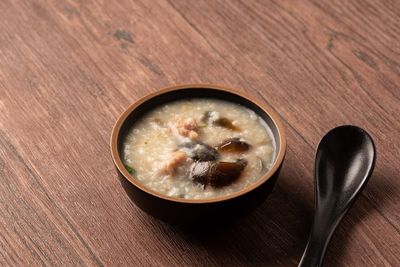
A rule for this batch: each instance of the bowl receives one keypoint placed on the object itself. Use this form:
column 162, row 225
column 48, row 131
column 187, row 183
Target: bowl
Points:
column 187, row 211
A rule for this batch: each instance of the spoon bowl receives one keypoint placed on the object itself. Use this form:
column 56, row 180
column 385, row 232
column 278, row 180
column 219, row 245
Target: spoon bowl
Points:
column 344, row 163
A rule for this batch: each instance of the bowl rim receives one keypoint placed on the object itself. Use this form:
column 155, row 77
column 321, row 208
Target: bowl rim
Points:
column 263, row 106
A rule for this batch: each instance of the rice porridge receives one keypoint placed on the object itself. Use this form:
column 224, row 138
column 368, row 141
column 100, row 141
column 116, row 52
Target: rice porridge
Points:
column 198, row 148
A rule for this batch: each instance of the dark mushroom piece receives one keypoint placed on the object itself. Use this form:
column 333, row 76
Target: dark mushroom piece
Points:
column 217, row 174
column 199, row 151
column 233, row 145
column 226, row 123
column 221, row 122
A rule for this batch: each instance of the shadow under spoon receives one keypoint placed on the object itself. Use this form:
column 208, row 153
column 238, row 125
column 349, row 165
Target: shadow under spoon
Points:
column 344, row 162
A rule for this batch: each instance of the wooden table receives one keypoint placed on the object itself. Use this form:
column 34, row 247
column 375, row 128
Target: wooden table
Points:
column 69, row 68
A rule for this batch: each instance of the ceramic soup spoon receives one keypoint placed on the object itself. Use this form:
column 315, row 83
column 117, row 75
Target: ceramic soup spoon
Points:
column 344, row 162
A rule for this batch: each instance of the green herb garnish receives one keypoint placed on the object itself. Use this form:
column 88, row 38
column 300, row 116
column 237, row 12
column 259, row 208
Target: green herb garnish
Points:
column 130, row 169
column 202, row 125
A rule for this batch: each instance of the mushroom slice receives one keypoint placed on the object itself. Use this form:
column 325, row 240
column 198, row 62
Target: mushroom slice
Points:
column 226, row 123
column 233, row 145
column 199, row 151
column 199, row 172
column 214, row 118
column 217, row 174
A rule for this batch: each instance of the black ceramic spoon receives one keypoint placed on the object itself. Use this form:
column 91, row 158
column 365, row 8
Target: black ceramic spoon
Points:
column 345, row 161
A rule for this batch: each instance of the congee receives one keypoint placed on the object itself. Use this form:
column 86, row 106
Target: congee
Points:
column 198, row 148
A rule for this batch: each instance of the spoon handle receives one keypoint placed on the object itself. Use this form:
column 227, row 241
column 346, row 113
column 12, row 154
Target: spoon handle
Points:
column 320, row 235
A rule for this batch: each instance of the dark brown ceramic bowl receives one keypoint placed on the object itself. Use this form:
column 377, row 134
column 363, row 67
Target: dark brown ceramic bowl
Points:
column 186, row 211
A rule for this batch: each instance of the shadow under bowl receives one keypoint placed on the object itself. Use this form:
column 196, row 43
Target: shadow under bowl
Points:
column 188, row 211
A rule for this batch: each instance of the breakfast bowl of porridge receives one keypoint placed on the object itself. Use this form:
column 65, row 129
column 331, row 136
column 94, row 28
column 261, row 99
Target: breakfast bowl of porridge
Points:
column 198, row 153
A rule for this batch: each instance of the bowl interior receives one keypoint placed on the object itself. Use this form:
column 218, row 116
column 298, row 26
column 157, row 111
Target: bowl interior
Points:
column 137, row 110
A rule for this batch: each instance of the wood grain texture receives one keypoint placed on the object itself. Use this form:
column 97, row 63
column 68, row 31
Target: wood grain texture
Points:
column 68, row 68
